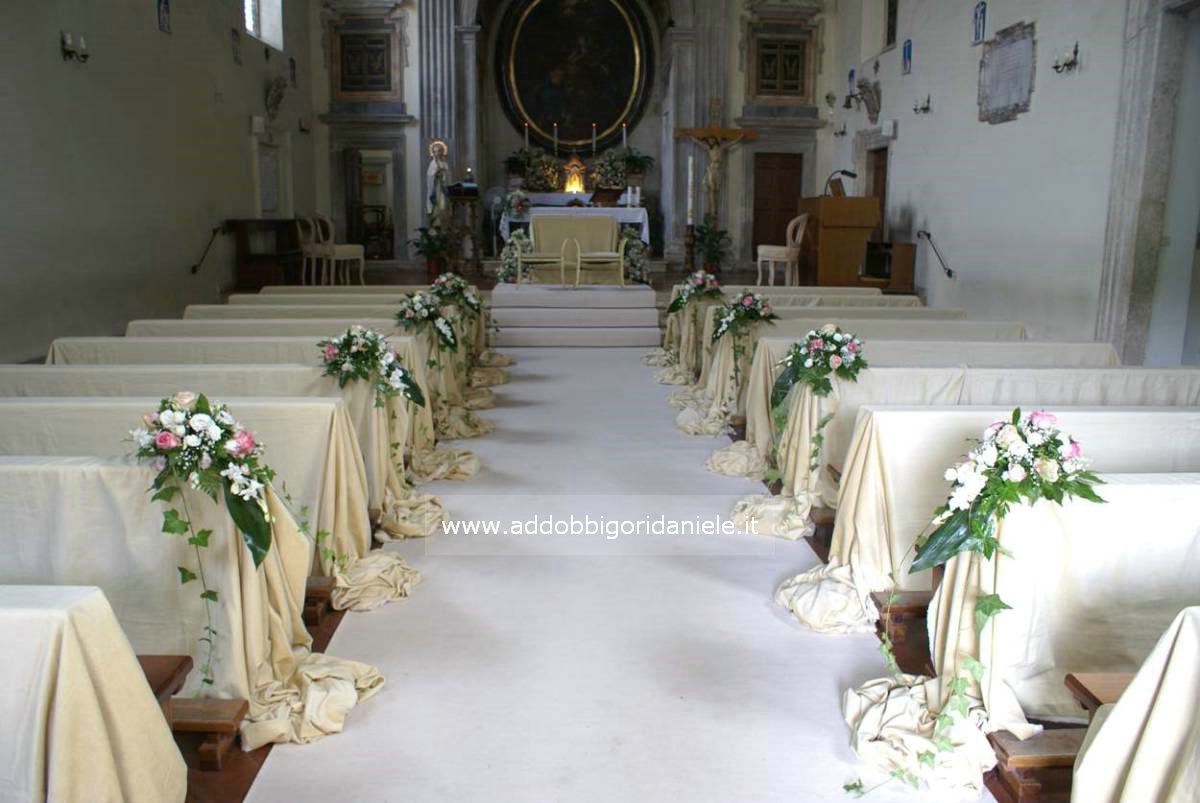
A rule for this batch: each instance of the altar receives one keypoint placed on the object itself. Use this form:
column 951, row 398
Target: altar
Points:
column 624, row 215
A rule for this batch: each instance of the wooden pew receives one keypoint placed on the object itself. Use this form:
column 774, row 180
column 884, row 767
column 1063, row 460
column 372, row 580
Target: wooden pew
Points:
column 1036, row 769
column 1094, row 689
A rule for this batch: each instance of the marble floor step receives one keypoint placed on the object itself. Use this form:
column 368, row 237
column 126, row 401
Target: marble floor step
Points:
column 593, row 296
column 576, row 336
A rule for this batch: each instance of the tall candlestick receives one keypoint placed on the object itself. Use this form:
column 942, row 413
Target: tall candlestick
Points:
column 624, row 136
column 691, row 215
column 556, row 139
column 593, row 139
column 527, row 136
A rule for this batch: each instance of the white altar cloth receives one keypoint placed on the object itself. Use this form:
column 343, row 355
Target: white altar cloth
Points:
column 625, row 216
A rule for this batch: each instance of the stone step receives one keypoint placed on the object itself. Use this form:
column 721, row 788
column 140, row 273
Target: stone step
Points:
column 577, row 336
column 593, row 296
column 574, row 316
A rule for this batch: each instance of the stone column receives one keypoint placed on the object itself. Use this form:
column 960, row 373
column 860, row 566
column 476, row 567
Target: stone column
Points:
column 467, row 112
column 679, row 111
column 437, row 73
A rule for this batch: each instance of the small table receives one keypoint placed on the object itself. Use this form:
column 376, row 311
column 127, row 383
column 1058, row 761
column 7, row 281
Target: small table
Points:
column 256, row 267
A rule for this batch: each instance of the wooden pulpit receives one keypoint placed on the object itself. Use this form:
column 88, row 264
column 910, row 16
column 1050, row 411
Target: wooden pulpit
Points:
column 835, row 243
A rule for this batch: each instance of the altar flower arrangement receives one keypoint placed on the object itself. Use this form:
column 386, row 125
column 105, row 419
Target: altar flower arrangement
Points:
column 454, row 289
column 422, row 310
column 517, row 204
column 746, row 307
column 193, row 442
column 362, row 354
column 636, row 261
column 518, row 242
column 543, row 172
column 699, row 284
column 608, row 170
column 824, row 351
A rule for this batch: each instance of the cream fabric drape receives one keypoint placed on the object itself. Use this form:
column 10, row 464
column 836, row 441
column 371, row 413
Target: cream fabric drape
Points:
column 223, row 311
column 936, row 386
column 1084, row 595
column 892, row 482
column 748, row 457
column 310, row 443
column 427, row 460
column 720, row 392
column 68, row 668
column 343, row 289
column 1146, row 746
column 255, row 327
column 453, row 403
column 97, row 526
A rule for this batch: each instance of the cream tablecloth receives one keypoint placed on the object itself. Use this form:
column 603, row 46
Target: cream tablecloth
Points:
column 309, row 442
column 97, row 526
column 892, row 482
column 748, row 457
column 1146, row 746
column 362, row 310
column 345, row 289
column 720, row 392
column 256, row 327
column 80, row 723
column 788, row 514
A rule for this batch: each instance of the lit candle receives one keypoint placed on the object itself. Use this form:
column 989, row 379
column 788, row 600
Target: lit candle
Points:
column 556, row 139
column 593, row 139
column 691, row 215
column 624, row 135
column 527, row 136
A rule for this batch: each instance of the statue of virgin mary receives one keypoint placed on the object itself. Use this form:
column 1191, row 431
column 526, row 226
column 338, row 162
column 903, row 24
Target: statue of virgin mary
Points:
column 438, row 205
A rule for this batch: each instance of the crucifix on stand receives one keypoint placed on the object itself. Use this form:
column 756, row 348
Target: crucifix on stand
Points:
column 717, row 141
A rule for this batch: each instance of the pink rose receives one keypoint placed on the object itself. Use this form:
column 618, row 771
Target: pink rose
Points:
column 747, row 301
column 1070, row 450
column 852, row 347
column 1042, row 419
column 166, row 440
column 241, row 444
column 330, row 351
column 835, row 361
column 699, row 280
column 816, row 345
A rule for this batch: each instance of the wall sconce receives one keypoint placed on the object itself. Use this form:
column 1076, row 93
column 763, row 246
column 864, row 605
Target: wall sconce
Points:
column 840, row 132
column 1068, row 63
column 923, row 108
column 72, row 51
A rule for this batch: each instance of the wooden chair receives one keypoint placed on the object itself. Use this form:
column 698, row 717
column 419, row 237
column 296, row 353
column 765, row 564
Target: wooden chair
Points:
column 788, row 254
column 339, row 254
column 313, row 253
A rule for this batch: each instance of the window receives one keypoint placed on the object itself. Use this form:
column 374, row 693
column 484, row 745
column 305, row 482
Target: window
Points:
column 264, row 20
column 781, row 67
column 893, row 11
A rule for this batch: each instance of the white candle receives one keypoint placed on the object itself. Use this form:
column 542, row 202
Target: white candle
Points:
column 527, row 136
column 624, row 135
column 556, row 139
column 593, row 139
column 691, row 215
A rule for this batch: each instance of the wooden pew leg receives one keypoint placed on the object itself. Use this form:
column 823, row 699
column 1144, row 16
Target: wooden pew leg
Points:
column 318, row 599
column 213, row 750
column 821, row 540
column 216, row 721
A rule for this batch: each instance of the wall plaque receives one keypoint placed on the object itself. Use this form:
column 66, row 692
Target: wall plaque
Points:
column 1006, row 74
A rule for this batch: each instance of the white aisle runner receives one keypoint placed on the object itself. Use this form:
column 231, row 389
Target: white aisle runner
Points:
column 577, row 668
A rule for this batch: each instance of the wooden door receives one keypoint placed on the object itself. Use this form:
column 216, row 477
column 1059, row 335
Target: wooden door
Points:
column 877, row 165
column 352, row 162
column 778, row 182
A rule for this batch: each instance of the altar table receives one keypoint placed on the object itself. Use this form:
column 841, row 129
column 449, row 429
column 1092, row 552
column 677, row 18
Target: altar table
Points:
column 80, row 722
column 625, row 216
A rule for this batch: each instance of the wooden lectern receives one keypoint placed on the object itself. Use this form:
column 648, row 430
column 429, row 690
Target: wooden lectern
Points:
column 835, row 244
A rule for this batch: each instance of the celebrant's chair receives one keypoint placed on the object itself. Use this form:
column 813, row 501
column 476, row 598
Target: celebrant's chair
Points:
column 599, row 247
column 788, row 254
column 551, row 239
column 340, row 254
column 313, row 254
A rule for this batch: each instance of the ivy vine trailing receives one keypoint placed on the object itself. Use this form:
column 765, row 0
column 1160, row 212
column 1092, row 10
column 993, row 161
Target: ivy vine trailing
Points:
column 735, row 318
column 196, row 443
column 1021, row 460
column 422, row 310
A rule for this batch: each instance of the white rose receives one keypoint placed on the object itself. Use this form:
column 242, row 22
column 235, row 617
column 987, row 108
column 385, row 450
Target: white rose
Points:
column 964, row 471
column 951, row 475
column 1018, row 449
column 192, row 440
column 200, row 422
column 214, row 433
column 1007, row 434
column 808, row 363
column 988, row 455
column 142, row 437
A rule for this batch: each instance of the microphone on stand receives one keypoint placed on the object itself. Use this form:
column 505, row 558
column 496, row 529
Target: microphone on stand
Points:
column 835, row 174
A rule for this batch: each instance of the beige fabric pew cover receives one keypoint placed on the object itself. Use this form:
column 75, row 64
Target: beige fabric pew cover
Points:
column 80, row 722
column 419, row 435
column 265, row 326
column 226, row 311
column 748, row 457
column 1146, row 746
column 788, row 514
column 706, row 406
column 309, row 442
column 892, row 482
column 97, row 526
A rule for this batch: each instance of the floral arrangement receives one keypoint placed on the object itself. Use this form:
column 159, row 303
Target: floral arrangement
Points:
column 517, row 204
column 824, row 351
column 364, row 354
column 700, row 284
column 454, row 289
column 519, row 242
column 608, row 170
column 747, row 307
column 636, row 162
column 542, row 173
column 636, row 261
column 421, row 310
column 190, row 440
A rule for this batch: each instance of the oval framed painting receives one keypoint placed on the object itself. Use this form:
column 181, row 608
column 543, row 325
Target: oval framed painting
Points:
column 575, row 63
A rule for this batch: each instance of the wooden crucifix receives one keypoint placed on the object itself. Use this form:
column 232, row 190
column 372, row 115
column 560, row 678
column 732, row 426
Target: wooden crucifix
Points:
column 717, row 142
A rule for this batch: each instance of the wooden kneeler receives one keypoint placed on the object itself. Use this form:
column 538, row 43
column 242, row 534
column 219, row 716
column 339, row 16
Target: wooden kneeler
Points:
column 218, row 720
column 318, row 599
column 1036, row 769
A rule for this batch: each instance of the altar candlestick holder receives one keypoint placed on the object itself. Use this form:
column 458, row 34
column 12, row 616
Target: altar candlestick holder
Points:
column 689, row 249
